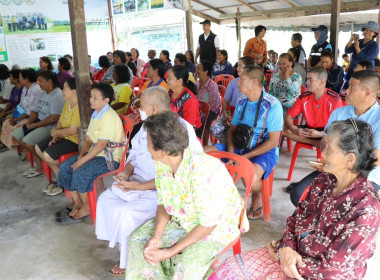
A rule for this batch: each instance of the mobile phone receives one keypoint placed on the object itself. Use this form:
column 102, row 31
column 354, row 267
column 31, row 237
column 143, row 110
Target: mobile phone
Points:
column 121, row 178
column 316, row 163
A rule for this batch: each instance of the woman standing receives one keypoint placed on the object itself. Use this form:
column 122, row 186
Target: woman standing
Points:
column 222, row 66
column 256, row 47
column 165, row 57
column 286, row 84
column 363, row 49
column 123, row 91
column 320, row 35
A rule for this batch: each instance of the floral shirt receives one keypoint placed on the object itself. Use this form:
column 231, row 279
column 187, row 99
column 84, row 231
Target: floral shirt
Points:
column 201, row 193
column 334, row 233
column 210, row 94
column 29, row 98
column 253, row 47
column 287, row 91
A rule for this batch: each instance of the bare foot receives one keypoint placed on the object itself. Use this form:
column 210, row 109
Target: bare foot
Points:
column 117, row 270
column 75, row 210
column 81, row 213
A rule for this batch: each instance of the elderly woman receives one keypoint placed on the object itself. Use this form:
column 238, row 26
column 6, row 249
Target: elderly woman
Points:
column 331, row 234
column 119, row 57
column 363, row 49
column 137, row 61
column 256, row 47
column 286, row 84
column 198, row 208
column 222, row 66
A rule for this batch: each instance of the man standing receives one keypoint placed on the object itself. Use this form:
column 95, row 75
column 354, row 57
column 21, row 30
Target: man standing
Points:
column 296, row 43
column 208, row 44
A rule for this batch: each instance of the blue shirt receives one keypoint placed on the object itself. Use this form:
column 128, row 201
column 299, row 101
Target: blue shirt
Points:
column 232, row 92
column 270, row 118
column 372, row 117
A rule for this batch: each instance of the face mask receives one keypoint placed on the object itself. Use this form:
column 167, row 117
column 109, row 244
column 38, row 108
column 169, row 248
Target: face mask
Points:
column 143, row 115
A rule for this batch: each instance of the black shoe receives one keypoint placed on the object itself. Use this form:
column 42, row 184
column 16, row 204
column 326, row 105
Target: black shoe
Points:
column 290, row 187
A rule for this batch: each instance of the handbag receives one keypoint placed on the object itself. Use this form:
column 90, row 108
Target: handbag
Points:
column 244, row 132
column 18, row 112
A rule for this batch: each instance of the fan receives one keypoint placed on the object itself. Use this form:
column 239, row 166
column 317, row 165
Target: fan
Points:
column 180, row 4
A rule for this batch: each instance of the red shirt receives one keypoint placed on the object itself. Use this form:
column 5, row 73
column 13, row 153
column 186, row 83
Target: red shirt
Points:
column 98, row 76
column 186, row 105
column 316, row 112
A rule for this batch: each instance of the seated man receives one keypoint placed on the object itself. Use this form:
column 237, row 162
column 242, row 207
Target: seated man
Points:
column 266, row 122
column 335, row 73
column 120, row 212
column 362, row 65
column 316, row 107
column 362, row 105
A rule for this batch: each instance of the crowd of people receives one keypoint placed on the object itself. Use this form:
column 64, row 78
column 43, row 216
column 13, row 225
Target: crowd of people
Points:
column 173, row 209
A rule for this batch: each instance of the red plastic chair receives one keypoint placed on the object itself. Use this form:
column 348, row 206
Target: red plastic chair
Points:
column 143, row 74
column 304, row 194
column 138, row 82
column 47, row 171
column 223, row 79
column 62, row 159
column 30, row 158
column 222, row 92
column 297, row 147
column 166, row 75
column 246, row 171
column 204, row 110
column 92, row 195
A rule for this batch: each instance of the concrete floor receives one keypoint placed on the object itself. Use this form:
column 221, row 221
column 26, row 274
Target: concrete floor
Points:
column 32, row 246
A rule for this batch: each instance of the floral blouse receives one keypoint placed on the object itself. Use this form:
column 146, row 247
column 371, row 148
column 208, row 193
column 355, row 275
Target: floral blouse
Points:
column 29, row 98
column 334, row 233
column 287, row 91
column 201, row 193
column 210, row 94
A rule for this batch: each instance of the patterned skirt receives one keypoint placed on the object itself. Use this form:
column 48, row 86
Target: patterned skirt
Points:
column 6, row 132
column 193, row 263
column 258, row 266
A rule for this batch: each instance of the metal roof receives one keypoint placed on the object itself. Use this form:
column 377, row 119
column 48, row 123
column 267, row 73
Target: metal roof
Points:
column 224, row 11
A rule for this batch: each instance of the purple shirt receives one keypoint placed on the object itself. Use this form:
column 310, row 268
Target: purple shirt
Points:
column 63, row 77
column 15, row 96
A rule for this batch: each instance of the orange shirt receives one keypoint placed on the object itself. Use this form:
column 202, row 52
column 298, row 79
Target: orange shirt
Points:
column 149, row 84
column 253, row 47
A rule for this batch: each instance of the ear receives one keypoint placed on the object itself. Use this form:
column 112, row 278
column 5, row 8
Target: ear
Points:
column 351, row 160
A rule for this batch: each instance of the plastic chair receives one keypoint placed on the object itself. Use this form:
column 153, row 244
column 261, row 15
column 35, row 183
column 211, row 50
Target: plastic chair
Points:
column 304, row 194
column 297, row 147
column 138, row 82
column 62, row 159
column 222, row 92
column 223, row 79
column 166, row 75
column 246, row 171
column 30, row 158
column 204, row 110
column 92, row 195
column 47, row 171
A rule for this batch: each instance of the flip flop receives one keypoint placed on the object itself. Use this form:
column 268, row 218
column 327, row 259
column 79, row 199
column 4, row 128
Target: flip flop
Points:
column 67, row 220
column 254, row 212
column 117, row 274
column 26, row 172
column 33, row 173
column 62, row 212
column 48, row 187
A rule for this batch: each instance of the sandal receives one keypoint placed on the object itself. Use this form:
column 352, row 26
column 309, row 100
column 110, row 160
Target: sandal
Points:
column 49, row 187
column 67, row 220
column 55, row 190
column 254, row 212
column 62, row 212
column 117, row 274
column 33, row 173
column 26, row 172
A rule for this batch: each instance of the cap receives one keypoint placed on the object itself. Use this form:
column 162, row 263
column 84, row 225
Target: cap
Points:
column 206, row 21
column 321, row 27
column 371, row 25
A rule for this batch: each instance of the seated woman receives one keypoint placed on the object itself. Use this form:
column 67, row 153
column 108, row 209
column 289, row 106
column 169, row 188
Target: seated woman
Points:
column 130, row 63
column 119, row 58
column 64, row 73
column 286, row 84
column 220, row 128
column 29, row 97
column 105, row 64
column 42, row 119
column 182, row 98
column 123, row 91
column 156, row 74
column 298, row 68
column 45, row 64
column 165, row 57
column 137, row 61
column 198, row 208
column 190, row 59
column 5, row 87
column 331, row 234
column 64, row 138
column 222, row 66
column 180, row 59
column 208, row 91
column 78, row 173
column 335, row 73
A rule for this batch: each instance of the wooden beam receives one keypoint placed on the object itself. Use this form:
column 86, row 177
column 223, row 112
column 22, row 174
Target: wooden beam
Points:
column 205, row 16
column 334, row 25
column 81, row 65
column 247, row 5
column 189, row 28
column 239, row 31
column 291, row 3
column 311, row 10
column 378, row 37
column 209, row 6
column 110, row 16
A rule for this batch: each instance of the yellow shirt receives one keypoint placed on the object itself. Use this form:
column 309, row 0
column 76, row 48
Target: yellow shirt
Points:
column 68, row 118
column 106, row 125
column 191, row 77
column 123, row 93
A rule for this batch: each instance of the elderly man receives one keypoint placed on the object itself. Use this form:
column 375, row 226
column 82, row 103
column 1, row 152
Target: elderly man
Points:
column 208, row 44
column 316, row 107
column 132, row 198
column 362, row 105
column 262, row 113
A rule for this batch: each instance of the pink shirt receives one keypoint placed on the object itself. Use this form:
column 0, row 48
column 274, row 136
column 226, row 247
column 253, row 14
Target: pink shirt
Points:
column 210, row 94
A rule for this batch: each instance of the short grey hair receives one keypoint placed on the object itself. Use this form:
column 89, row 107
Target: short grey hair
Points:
column 356, row 136
column 157, row 95
column 320, row 72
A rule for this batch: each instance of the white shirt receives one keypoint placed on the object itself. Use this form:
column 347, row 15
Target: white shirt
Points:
column 140, row 157
column 6, row 89
column 216, row 40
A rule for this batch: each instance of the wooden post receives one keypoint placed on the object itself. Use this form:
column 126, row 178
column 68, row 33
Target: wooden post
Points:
column 239, row 31
column 189, row 28
column 110, row 16
column 378, row 21
column 334, row 25
column 81, row 65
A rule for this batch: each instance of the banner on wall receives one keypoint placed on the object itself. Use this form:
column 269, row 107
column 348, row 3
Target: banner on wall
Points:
column 35, row 28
